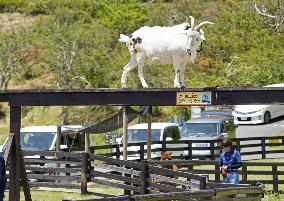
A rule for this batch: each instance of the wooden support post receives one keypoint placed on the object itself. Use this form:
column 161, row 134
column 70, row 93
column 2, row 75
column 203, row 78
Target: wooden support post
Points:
column 17, row 167
column 189, row 150
column 244, row 172
column 212, row 150
column 125, row 132
column 144, row 175
column 24, row 179
column 87, row 150
column 84, row 172
column 238, row 144
column 142, row 152
column 217, row 175
column 202, row 183
column 58, row 138
column 57, row 144
column 125, row 142
column 275, row 178
column 263, row 151
column 149, row 135
column 117, row 151
column 87, row 142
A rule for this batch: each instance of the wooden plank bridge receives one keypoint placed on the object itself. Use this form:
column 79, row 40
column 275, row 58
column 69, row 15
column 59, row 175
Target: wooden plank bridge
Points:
column 139, row 97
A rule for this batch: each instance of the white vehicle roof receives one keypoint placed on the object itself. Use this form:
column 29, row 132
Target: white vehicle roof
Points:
column 275, row 85
column 51, row 129
column 155, row 125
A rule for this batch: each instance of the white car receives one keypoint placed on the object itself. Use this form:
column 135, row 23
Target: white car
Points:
column 160, row 131
column 43, row 138
column 257, row 114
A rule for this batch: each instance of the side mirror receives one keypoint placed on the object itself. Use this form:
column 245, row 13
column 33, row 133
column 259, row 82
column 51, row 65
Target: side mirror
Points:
column 118, row 140
column 169, row 139
column 224, row 135
column 63, row 146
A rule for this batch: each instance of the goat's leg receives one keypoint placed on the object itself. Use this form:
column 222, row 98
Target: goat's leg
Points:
column 182, row 70
column 141, row 63
column 177, row 76
column 131, row 65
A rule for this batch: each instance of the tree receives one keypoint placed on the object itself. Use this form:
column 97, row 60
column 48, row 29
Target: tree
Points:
column 276, row 16
column 12, row 56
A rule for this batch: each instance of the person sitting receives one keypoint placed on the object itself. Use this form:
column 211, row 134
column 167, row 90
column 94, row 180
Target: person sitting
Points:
column 229, row 162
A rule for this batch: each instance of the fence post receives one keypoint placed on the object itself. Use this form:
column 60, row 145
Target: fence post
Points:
column 189, row 149
column 238, row 144
column 217, row 175
column 84, row 172
column 275, row 178
column 244, row 172
column 117, row 151
column 263, row 148
column 142, row 151
column 164, row 145
column 145, row 176
column 202, row 183
column 212, row 148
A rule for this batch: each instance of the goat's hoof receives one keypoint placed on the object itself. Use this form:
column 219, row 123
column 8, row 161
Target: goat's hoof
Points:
column 145, row 86
column 182, row 88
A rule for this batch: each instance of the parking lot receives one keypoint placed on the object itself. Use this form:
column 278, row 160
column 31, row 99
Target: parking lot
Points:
column 275, row 128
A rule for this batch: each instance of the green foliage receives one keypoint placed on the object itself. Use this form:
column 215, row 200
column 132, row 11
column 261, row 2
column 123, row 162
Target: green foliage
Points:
column 239, row 50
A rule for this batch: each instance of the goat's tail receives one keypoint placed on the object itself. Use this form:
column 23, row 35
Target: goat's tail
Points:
column 124, row 39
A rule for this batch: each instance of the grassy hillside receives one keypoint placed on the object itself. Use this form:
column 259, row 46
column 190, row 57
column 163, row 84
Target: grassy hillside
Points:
column 73, row 44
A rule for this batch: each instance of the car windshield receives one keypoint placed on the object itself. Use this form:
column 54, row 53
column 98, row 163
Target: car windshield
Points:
column 200, row 129
column 140, row 135
column 36, row 141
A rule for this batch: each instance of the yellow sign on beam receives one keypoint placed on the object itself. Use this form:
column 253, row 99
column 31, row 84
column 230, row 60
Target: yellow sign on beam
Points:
column 193, row 98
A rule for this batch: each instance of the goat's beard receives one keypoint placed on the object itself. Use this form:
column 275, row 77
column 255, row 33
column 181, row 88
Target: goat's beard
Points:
column 193, row 55
column 200, row 48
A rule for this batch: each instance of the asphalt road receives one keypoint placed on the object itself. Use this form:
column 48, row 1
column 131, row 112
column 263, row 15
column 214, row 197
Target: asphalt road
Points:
column 275, row 128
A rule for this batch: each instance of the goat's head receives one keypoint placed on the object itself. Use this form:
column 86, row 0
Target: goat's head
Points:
column 195, row 37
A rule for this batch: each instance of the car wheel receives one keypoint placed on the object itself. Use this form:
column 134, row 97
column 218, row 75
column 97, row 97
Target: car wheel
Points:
column 267, row 117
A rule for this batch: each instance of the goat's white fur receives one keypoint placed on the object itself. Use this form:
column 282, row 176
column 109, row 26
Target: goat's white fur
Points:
column 163, row 45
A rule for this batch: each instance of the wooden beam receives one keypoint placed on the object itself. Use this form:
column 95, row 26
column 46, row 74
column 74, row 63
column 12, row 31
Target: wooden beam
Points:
column 15, row 166
column 141, row 97
column 149, row 134
column 125, row 133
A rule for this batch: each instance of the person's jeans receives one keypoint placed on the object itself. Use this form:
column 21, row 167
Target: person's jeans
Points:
column 232, row 178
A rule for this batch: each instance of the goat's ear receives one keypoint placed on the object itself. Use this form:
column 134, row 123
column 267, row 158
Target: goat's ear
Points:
column 170, row 153
column 162, row 153
column 202, row 36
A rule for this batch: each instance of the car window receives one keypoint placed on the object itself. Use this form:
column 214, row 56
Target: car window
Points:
column 200, row 129
column 140, row 135
column 36, row 141
column 172, row 132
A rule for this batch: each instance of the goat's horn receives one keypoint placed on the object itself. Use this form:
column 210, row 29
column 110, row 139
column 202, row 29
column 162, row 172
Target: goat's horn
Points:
column 191, row 21
column 198, row 27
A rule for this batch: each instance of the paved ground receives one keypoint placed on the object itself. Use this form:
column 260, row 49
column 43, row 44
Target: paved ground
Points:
column 275, row 128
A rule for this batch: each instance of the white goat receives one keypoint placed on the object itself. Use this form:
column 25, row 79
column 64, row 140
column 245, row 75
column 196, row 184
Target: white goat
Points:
column 166, row 45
